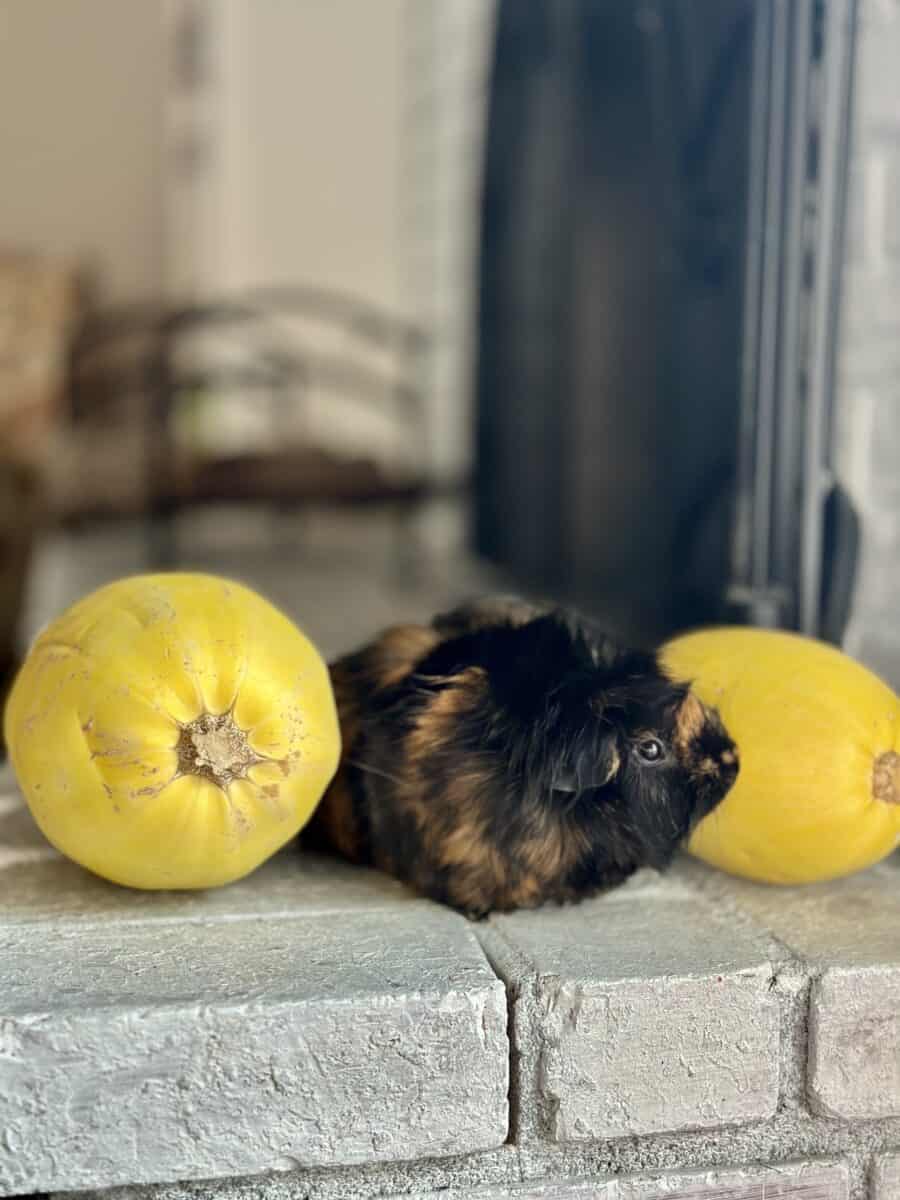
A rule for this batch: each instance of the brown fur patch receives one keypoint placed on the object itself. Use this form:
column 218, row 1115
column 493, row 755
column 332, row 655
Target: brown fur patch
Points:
column 394, row 655
column 729, row 758
column 707, row 766
column 440, row 720
column 465, row 846
column 554, row 849
column 354, row 678
column 335, row 819
column 465, row 843
column 690, row 721
column 545, row 855
column 476, row 870
column 383, row 664
column 528, row 891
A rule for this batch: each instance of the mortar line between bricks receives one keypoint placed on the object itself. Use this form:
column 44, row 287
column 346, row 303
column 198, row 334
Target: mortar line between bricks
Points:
column 520, row 969
column 104, row 922
column 785, row 962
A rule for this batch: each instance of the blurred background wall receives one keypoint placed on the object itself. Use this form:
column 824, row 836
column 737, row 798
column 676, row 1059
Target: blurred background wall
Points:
column 81, row 137
column 164, row 159
column 569, row 274
column 331, row 141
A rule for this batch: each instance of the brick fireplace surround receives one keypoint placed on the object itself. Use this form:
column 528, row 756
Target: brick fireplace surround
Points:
column 316, row 1032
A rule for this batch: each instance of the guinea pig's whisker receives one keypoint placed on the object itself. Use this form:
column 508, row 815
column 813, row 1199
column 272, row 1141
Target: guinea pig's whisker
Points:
column 366, row 768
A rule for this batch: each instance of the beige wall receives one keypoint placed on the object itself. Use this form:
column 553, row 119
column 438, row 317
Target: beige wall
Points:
column 315, row 174
column 315, row 144
column 80, row 135
column 307, row 180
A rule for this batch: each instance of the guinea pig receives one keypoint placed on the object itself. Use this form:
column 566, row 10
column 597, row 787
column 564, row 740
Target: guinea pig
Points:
column 506, row 755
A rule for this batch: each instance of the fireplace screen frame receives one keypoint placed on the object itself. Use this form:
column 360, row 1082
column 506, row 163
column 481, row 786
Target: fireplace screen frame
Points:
column 791, row 540
column 782, row 574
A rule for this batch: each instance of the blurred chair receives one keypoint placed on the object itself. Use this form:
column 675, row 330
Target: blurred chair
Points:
column 294, row 397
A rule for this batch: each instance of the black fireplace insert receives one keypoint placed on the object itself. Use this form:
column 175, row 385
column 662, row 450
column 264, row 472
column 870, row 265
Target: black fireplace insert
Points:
column 661, row 230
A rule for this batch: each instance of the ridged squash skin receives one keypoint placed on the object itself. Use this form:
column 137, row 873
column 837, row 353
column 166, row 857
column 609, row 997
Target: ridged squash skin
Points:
column 172, row 731
column 818, row 795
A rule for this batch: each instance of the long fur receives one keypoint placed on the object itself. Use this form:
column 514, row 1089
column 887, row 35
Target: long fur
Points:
column 497, row 759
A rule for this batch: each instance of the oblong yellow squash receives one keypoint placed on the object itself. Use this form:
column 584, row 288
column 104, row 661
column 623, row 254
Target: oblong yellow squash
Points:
column 818, row 795
column 172, row 731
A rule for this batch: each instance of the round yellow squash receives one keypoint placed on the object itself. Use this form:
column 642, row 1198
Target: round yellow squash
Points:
column 818, row 794
column 172, row 731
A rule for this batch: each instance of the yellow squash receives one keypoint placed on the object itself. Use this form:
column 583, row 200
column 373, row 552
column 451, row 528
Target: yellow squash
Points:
column 818, row 795
column 172, row 731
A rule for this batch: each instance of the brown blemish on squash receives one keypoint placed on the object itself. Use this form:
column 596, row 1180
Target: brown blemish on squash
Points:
column 886, row 778
column 215, row 748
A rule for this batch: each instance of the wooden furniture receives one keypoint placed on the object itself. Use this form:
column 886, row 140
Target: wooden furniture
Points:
column 265, row 397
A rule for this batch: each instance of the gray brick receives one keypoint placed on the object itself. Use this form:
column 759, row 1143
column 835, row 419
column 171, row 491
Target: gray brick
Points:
column 847, row 933
column 886, row 1177
column 854, row 1055
column 309, row 1016
column 647, row 1014
column 853, row 922
column 789, row 1181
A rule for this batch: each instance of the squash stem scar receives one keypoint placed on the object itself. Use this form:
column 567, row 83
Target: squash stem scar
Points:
column 886, row 778
column 214, row 747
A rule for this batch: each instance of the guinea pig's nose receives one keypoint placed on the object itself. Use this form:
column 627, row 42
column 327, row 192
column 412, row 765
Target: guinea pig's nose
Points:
column 731, row 763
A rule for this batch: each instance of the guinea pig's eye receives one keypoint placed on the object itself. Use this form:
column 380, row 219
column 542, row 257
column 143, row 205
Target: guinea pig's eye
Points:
column 651, row 749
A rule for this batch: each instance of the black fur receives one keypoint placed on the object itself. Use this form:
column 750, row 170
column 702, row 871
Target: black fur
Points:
column 503, row 763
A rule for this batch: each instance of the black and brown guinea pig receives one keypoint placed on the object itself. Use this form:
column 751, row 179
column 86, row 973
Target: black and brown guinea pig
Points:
column 505, row 756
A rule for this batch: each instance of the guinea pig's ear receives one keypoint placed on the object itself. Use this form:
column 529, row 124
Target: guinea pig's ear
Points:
column 593, row 766
column 691, row 717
